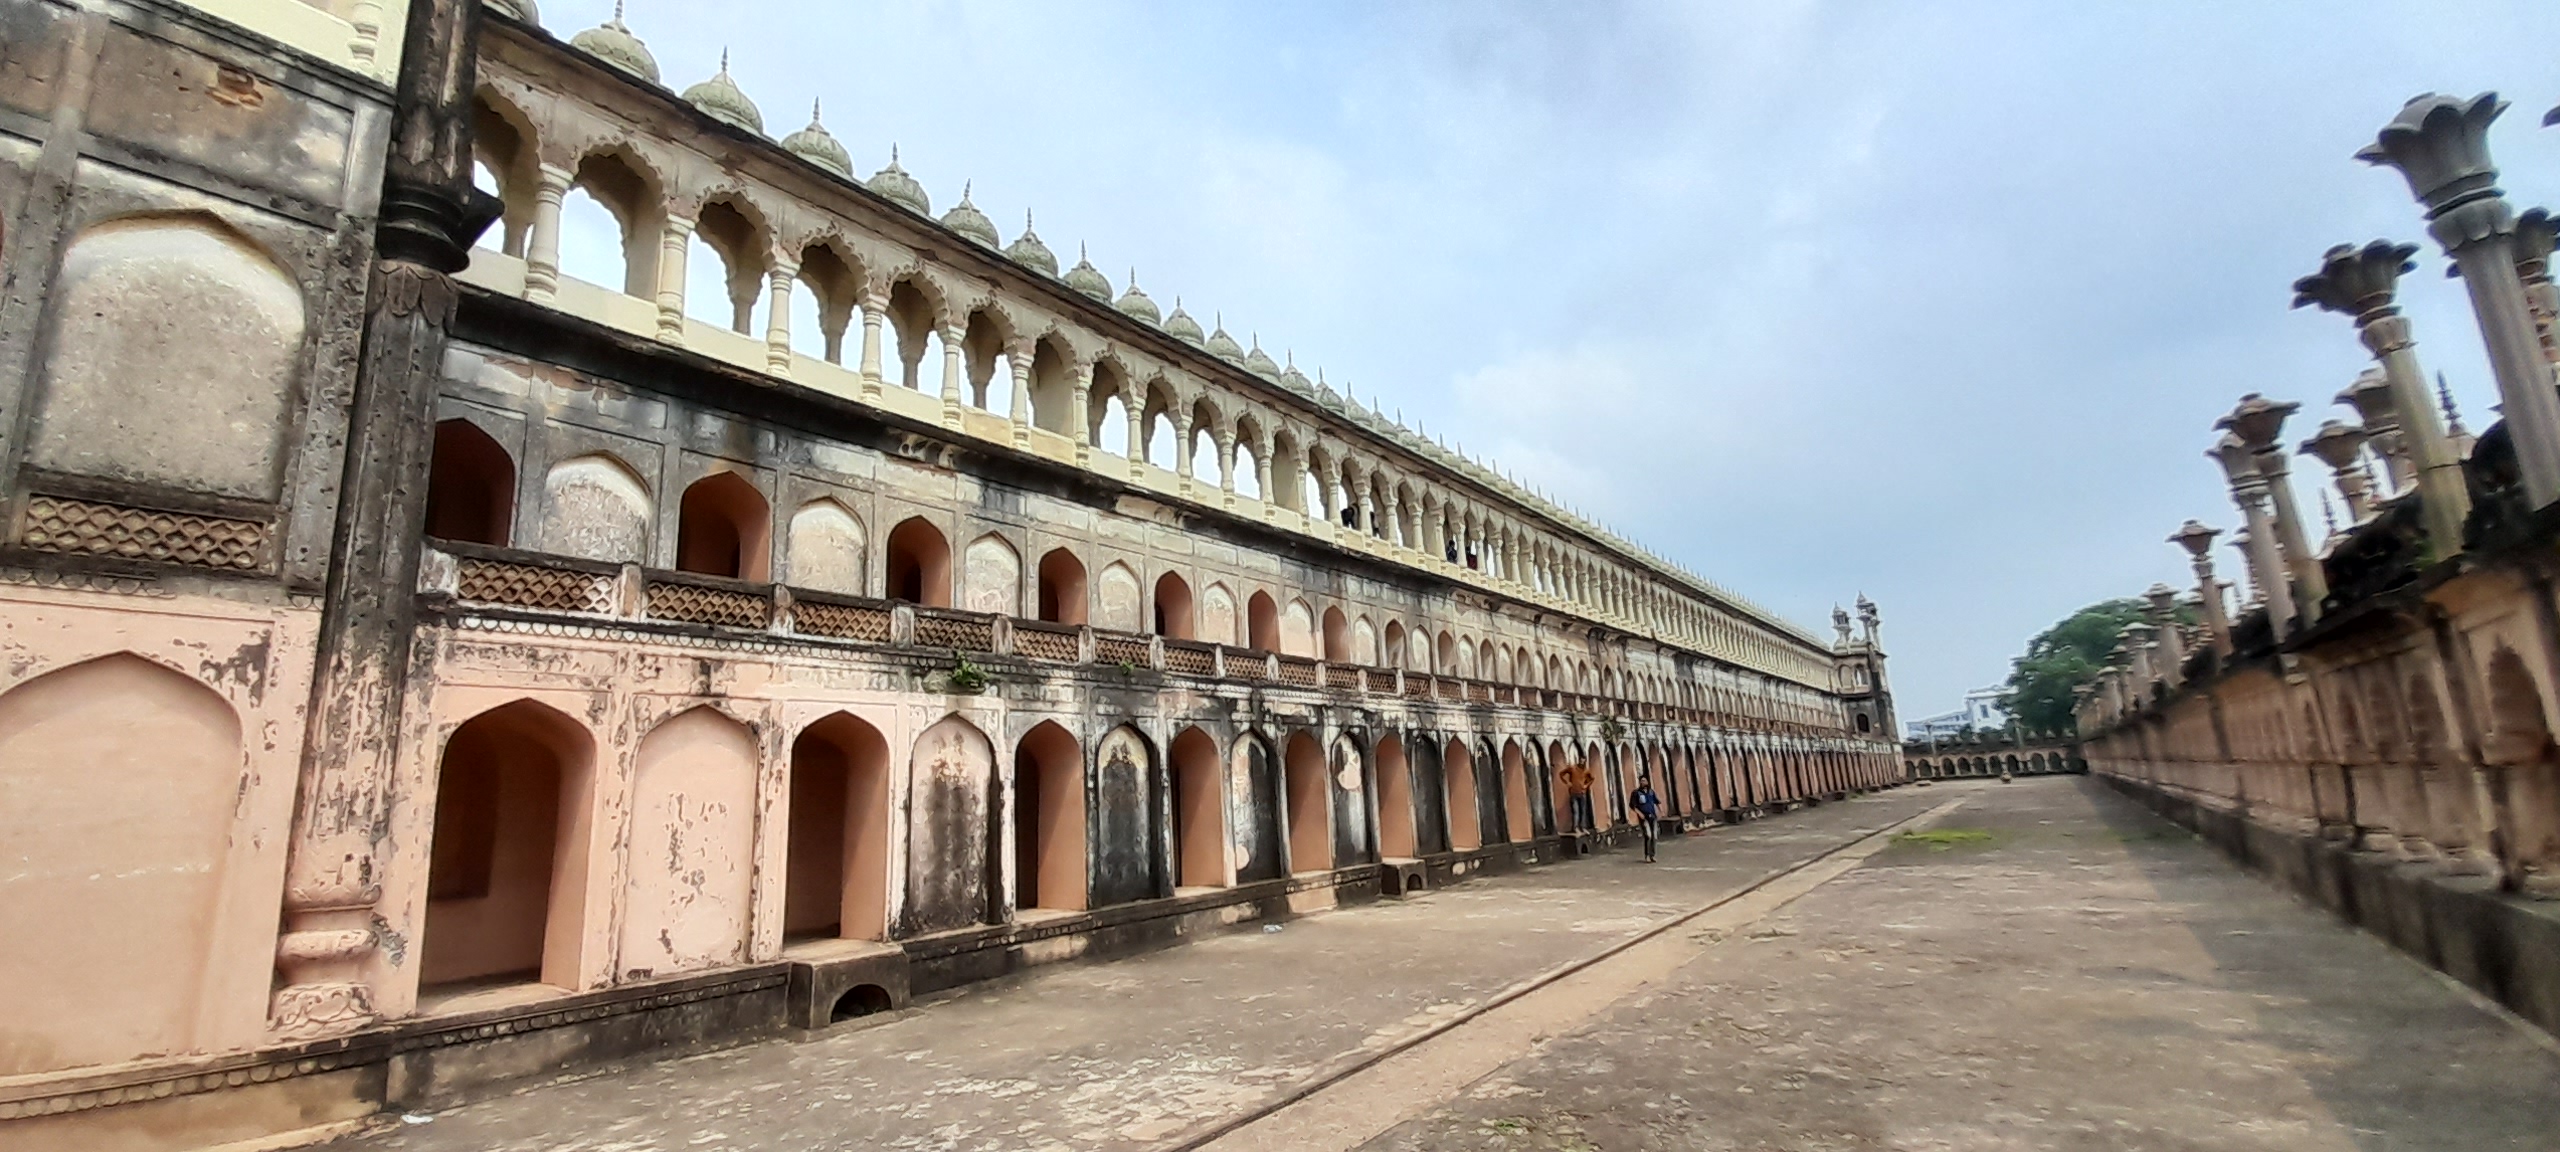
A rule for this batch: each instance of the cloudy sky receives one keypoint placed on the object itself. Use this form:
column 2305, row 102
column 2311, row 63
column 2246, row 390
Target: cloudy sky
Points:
column 1933, row 301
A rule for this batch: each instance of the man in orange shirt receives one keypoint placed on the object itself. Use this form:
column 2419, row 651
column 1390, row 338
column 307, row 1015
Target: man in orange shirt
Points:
column 1577, row 790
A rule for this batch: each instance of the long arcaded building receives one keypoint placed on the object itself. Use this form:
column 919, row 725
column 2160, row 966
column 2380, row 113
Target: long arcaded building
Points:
column 421, row 668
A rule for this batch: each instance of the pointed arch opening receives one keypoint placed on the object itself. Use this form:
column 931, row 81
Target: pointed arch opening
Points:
column 836, row 877
column 1310, row 805
column 1199, row 813
column 471, row 486
column 1338, row 646
column 1466, row 822
column 1062, row 587
column 919, row 567
column 688, row 900
column 724, row 528
column 1049, row 820
column 1519, row 828
column 507, row 868
column 1396, row 817
column 1173, row 616
column 1262, row 623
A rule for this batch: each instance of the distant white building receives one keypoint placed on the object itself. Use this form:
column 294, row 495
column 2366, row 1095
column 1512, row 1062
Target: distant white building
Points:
column 1981, row 712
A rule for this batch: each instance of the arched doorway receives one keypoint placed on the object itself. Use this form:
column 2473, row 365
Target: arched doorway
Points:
column 724, row 528
column 1062, row 599
column 1174, row 619
column 1397, row 821
column 504, row 876
column 1049, row 819
column 919, row 568
column 836, row 879
column 1515, row 793
column 1466, row 822
column 1310, row 807
column 1262, row 623
column 1199, row 813
column 471, row 487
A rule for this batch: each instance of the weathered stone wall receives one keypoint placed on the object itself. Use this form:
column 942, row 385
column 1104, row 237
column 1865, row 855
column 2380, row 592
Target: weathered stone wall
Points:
column 190, row 221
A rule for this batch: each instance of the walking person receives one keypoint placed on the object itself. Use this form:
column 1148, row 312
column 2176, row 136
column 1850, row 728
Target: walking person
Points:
column 1648, row 806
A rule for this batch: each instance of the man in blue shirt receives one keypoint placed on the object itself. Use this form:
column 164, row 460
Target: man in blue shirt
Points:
column 1647, row 806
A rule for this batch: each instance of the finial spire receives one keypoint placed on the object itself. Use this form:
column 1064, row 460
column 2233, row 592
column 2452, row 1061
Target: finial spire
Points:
column 813, row 111
column 617, row 11
column 965, row 186
column 1026, row 220
column 2452, row 415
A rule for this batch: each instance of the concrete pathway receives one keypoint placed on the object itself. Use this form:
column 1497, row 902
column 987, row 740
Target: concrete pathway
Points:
column 2048, row 968
column 1145, row 1052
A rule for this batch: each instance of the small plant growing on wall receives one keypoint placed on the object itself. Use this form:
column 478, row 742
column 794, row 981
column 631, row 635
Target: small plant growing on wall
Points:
column 1129, row 668
column 964, row 678
column 1611, row 730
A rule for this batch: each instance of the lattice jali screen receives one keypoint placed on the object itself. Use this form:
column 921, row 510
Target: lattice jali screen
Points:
column 1041, row 644
column 841, row 621
column 694, row 604
column 530, row 586
column 1120, row 650
column 948, row 632
column 89, row 528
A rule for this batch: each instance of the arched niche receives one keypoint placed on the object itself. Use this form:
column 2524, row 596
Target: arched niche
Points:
column 595, row 507
column 826, row 549
column 692, row 847
column 1124, row 823
column 1117, row 599
column 1253, row 787
column 950, row 829
column 992, row 571
column 1062, row 587
column 118, row 780
column 172, row 345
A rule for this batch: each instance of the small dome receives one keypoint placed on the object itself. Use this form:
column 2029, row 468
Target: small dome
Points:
column 1030, row 252
column 965, row 219
column 614, row 44
column 517, row 9
column 1295, row 380
column 721, row 98
column 1223, row 346
column 1135, row 304
column 894, row 183
column 1259, row 362
column 1086, row 278
column 814, row 145
column 1181, row 326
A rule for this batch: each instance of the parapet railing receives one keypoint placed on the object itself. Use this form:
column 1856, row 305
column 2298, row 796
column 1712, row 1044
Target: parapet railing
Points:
column 504, row 578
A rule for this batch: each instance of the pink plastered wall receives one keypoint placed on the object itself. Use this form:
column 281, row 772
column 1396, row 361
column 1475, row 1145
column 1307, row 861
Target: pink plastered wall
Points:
column 149, row 751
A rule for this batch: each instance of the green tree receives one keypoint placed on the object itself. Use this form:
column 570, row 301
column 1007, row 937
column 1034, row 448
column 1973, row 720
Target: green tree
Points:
column 2061, row 659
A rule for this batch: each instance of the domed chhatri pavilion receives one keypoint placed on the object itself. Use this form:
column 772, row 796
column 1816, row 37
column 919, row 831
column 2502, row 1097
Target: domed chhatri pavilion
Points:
column 416, row 678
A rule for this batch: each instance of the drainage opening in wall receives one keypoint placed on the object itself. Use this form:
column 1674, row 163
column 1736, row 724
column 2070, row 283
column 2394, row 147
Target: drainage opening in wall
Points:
column 863, row 1000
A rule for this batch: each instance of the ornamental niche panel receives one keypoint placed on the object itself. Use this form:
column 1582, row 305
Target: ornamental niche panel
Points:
column 1117, row 604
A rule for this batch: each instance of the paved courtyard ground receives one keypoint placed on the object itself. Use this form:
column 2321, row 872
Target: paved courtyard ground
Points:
column 2042, row 967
